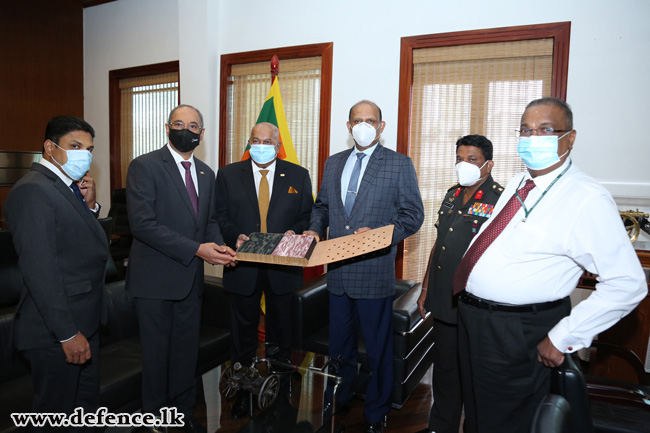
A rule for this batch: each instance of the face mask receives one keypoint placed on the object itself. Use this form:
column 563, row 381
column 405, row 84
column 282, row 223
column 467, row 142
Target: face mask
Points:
column 78, row 162
column 262, row 153
column 468, row 174
column 363, row 134
column 539, row 151
column 184, row 140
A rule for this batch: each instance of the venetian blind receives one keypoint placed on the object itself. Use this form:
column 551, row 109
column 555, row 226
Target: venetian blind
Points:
column 146, row 102
column 300, row 81
column 468, row 89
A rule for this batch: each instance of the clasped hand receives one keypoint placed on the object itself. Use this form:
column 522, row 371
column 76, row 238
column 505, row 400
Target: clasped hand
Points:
column 216, row 254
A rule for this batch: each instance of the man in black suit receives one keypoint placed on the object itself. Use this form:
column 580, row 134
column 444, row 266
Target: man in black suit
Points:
column 264, row 194
column 171, row 201
column 62, row 253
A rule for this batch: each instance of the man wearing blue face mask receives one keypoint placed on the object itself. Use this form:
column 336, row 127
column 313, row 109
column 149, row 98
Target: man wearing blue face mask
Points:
column 62, row 253
column 551, row 224
column 267, row 195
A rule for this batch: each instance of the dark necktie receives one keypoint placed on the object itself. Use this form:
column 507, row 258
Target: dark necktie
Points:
column 77, row 193
column 263, row 200
column 351, row 194
column 488, row 236
column 189, row 185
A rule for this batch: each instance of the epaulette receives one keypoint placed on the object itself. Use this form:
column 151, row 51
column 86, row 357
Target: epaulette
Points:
column 498, row 189
column 456, row 185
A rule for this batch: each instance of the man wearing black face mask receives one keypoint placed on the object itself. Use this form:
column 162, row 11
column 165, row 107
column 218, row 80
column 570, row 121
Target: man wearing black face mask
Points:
column 466, row 206
column 171, row 202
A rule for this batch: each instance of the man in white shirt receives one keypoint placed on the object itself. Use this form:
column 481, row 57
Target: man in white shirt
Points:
column 515, row 315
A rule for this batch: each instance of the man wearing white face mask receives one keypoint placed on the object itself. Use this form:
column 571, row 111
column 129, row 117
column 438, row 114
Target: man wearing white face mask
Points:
column 268, row 195
column 62, row 253
column 364, row 188
column 467, row 205
column 551, row 224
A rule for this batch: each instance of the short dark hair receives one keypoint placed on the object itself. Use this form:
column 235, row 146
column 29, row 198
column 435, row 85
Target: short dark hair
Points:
column 364, row 101
column 59, row 126
column 566, row 109
column 477, row 141
column 171, row 113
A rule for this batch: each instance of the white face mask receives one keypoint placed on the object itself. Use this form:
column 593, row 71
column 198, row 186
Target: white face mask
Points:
column 364, row 134
column 468, row 174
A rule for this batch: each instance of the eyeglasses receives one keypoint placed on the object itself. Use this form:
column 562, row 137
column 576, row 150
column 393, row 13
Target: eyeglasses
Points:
column 258, row 141
column 527, row 132
column 193, row 126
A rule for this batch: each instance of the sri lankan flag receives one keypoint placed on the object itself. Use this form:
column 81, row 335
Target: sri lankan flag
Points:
column 273, row 112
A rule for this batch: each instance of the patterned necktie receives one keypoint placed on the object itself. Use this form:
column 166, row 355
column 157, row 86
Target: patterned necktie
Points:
column 189, row 185
column 77, row 193
column 351, row 194
column 488, row 236
column 263, row 200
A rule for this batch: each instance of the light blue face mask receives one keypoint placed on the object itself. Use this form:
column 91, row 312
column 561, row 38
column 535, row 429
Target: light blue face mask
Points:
column 78, row 164
column 262, row 153
column 539, row 151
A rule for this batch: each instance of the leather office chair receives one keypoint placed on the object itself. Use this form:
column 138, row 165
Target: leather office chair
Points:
column 552, row 415
column 567, row 381
column 120, row 229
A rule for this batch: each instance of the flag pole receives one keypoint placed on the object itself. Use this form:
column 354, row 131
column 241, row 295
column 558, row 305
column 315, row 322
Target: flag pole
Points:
column 275, row 68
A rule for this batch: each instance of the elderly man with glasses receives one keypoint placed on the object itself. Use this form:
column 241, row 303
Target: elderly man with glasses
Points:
column 171, row 201
column 551, row 223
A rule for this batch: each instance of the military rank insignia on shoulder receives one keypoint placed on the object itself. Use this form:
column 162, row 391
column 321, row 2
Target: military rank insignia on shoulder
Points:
column 481, row 209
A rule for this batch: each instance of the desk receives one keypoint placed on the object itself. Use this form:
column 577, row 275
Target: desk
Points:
column 631, row 332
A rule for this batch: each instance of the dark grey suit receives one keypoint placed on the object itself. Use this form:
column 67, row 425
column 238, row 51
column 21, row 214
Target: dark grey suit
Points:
column 165, row 276
column 388, row 193
column 62, row 253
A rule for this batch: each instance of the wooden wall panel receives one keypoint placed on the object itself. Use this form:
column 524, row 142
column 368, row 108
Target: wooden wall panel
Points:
column 42, row 68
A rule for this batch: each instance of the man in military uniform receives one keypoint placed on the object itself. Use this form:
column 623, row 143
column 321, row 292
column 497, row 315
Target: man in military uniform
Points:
column 467, row 205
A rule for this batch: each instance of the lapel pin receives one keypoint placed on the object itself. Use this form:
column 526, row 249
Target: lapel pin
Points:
column 281, row 174
column 202, row 172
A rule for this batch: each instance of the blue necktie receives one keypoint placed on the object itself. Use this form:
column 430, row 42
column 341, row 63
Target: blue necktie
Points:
column 77, row 193
column 351, row 194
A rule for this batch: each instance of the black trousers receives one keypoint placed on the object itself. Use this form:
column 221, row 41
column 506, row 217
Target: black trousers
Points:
column 503, row 382
column 245, row 319
column 447, row 393
column 169, row 332
column 60, row 387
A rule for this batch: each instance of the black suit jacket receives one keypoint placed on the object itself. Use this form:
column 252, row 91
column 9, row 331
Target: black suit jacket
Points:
column 166, row 231
column 238, row 212
column 62, row 253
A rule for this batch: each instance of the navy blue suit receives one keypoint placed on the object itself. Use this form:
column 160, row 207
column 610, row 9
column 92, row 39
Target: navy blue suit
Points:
column 363, row 287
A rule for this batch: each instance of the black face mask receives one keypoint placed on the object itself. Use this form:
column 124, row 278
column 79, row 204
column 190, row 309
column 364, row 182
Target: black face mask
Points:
column 184, row 140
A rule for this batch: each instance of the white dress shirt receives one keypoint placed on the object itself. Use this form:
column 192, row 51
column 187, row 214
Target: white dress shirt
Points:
column 574, row 226
column 178, row 159
column 258, row 177
column 349, row 166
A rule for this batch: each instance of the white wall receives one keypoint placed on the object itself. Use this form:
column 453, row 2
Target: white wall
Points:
column 608, row 86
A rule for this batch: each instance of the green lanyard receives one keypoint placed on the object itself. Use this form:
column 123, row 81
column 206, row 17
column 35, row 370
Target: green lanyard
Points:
column 526, row 210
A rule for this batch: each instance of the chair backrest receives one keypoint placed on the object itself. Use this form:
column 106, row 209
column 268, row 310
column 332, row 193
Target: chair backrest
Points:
column 552, row 415
column 567, row 381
